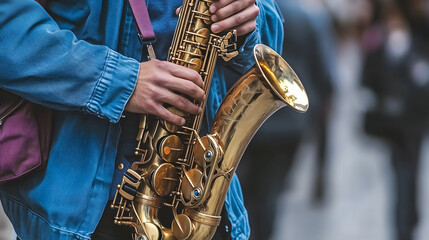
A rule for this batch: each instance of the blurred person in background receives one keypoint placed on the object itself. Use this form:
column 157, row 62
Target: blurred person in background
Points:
column 270, row 156
column 397, row 72
column 315, row 61
column 341, row 215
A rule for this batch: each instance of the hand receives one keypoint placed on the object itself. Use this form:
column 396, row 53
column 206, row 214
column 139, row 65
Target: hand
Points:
column 234, row 14
column 162, row 82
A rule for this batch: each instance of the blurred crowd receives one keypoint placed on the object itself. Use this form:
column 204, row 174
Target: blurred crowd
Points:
column 365, row 67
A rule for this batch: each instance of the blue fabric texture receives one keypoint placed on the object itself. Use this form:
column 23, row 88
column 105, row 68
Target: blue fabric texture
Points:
column 81, row 60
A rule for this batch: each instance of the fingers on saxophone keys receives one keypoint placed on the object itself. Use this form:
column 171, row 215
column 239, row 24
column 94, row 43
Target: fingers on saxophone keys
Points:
column 163, row 113
column 185, row 105
column 184, row 73
column 179, row 102
column 237, row 20
column 187, row 87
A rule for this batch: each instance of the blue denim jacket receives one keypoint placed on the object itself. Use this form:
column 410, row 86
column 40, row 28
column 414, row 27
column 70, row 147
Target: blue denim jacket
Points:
column 83, row 66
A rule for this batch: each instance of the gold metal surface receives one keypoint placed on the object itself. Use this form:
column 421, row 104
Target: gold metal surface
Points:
column 188, row 174
column 170, row 148
column 190, row 182
column 202, row 146
column 247, row 105
column 171, row 127
column 203, row 218
column 165, row 179
column 147, row 200
column 281, row 77
column 181, row 227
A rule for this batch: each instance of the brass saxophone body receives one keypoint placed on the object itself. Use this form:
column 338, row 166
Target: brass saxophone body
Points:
column 189, row 175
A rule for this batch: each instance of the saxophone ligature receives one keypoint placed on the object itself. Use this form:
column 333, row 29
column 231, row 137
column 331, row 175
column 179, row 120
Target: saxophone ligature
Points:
column 186, row 176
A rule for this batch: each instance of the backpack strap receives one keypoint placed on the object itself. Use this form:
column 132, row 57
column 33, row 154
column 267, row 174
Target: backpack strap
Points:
column 141, row 16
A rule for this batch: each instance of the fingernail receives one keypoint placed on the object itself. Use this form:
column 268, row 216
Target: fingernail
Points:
column 215, row 28
column 200, row 110
column 214, row 18
column 212, row 8
column 182, row 122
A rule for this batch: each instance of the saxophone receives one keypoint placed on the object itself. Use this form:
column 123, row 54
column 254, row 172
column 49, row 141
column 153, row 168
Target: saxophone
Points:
column 185, row 176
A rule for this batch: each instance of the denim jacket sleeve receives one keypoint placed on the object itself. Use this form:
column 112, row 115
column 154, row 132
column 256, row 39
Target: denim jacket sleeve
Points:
column 51, row 67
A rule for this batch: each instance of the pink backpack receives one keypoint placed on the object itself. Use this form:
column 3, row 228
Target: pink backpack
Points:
column 25, row 135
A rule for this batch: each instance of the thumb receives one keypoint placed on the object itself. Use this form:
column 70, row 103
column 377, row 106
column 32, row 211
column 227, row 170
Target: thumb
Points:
column 178, row 10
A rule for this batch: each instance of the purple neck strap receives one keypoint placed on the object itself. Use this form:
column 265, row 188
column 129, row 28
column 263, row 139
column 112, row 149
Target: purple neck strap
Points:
column 141, row 16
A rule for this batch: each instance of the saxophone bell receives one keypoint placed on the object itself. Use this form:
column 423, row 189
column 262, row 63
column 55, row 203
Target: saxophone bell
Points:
column 268, row 86
column 280, row 77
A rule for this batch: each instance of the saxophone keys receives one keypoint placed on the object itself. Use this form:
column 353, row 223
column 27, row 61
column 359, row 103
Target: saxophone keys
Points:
column 202, row 36
column 181, row 227
column 170, row 148
column 191, row 183
column 147, row 231
column 228, row 45
column 202, row 151
column 228, row 56
column 171, row 127
column 195, row 64
column 130, row 183
column 165, row 179
column 142, row 127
